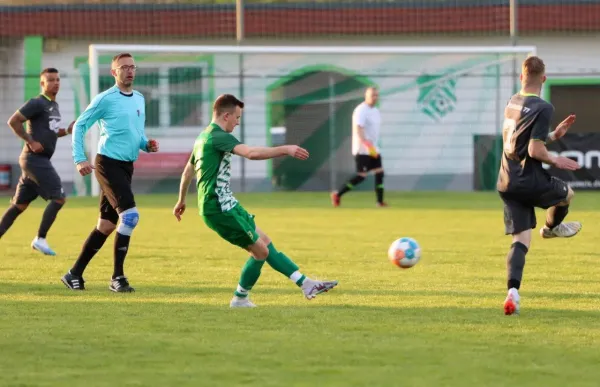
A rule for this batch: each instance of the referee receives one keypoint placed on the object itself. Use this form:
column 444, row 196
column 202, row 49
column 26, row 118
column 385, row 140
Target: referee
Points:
column 121, row 113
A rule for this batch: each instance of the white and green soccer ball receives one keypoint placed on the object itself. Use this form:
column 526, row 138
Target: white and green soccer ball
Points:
column 404, row 252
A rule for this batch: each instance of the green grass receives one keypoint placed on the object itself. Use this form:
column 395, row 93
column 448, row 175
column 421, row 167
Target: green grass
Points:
column 437, row 324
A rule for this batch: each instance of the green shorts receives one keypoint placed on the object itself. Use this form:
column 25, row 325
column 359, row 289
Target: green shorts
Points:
column 236, row 226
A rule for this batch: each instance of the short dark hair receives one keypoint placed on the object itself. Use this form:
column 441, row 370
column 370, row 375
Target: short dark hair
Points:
column 226, row 102
column 533, row 66
column 49, row 70
column 121, row 55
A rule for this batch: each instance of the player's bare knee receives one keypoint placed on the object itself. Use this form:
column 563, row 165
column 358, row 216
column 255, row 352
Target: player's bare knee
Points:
column 262, row 253
column 264, row 238
column 105, row 226
column 128, row 221
column 523, row 237
column 60, row 201
column 362, row 174
column 378, row 170
column 259, row 250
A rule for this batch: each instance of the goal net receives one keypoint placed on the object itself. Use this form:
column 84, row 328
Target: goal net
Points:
column 441, row 109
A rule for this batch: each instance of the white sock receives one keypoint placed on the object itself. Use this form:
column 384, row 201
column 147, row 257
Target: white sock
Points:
column 241, row 291
column 295, row 276
column 514, row 293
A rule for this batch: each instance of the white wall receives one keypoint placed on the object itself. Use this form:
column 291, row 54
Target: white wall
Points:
column 438, row 149
column 11, row 97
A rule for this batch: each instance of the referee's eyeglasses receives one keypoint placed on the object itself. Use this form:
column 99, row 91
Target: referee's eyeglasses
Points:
column 127, row 68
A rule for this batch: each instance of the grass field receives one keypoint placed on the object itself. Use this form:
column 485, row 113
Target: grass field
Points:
column 440, row 323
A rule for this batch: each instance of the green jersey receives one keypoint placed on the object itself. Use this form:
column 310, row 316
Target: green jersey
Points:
column 211, row 158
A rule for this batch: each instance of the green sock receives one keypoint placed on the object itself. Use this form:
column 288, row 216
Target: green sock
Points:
column 283, row 264
column 250, row 274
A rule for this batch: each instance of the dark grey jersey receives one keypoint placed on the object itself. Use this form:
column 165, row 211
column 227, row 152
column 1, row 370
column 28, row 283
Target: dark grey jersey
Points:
column 44, row 122
column 526, row 118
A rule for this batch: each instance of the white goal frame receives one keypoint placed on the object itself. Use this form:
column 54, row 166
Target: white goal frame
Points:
column 96, row 49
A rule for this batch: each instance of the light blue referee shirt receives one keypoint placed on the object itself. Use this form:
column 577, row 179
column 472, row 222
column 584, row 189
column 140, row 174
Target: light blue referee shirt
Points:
column 121, row 118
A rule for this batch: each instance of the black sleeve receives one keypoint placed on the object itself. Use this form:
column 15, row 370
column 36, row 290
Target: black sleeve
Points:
column 32, row 108
column 541, row 125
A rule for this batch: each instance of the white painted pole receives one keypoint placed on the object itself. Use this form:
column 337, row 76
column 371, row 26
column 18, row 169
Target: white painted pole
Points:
column 316, row 49
column 94, row 130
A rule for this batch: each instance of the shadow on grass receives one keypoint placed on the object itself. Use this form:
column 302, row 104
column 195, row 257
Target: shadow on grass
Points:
column 97, row 292
column 346, row 317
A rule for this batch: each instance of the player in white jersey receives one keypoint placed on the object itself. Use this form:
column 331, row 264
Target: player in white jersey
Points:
column 366, row 123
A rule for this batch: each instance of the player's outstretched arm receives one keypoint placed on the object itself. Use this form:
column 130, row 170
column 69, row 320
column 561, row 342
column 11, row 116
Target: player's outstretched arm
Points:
column 265, row 153
column 186, row 179
column 537, row 150
column 561, row 129
column 537, row 144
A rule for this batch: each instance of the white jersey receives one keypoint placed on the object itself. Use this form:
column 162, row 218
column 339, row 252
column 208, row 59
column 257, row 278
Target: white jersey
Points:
column 369, row 119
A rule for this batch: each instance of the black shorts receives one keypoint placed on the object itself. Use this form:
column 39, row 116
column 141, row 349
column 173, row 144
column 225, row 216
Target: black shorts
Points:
column 38, row 178
column 114, row 178
column 519, row 208
column 366, row 163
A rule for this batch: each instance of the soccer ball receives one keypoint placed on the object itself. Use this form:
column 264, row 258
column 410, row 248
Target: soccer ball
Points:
column 404, row 252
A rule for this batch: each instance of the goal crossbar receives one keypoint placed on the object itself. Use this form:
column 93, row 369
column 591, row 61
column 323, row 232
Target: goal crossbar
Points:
column 149, row 48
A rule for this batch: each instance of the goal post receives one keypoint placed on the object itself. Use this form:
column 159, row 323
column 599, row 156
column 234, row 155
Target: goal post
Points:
column 432, row 99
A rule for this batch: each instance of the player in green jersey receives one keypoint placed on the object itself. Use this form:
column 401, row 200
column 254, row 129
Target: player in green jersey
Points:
column 210, row 161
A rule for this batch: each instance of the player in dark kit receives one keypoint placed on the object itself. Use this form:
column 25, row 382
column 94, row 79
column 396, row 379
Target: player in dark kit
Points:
column 38, row 176
column 523, row 184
